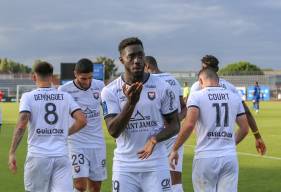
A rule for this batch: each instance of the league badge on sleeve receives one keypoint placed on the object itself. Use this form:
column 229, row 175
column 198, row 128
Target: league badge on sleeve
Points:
column 151, row 95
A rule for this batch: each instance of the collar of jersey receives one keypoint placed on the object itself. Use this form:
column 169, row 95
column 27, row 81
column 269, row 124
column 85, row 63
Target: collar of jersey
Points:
column 45, row 88
column 213, row 87
column 122, row 77
column 81, row 87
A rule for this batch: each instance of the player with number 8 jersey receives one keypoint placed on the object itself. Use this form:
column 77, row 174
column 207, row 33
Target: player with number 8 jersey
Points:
column 47, row 167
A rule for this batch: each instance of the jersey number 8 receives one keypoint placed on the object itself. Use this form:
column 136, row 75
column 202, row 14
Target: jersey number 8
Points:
column 51, row 117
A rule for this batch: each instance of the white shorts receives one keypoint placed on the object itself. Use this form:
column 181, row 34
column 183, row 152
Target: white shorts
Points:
column 89, row 163
column 152, row 181
column 47, row 174
column 218, row 174
column 169, row 144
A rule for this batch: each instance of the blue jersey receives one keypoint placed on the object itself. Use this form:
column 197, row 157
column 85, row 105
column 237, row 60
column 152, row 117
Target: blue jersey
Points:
column 257, row 91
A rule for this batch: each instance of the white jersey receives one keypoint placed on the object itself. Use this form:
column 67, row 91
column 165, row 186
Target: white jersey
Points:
column 48, row 130
column 174, row 85
column 91, row 136
column 222, row 82
column 156, row 99
column 218, row 108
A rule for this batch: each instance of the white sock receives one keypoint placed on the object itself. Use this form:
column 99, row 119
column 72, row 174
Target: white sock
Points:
column 177, row 188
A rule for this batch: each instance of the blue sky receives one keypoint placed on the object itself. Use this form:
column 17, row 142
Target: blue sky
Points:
column 177, row 32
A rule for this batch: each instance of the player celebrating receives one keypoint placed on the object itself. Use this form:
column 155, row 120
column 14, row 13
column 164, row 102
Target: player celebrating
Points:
column 135, row 107
column 151, row 66
column 214, row 110
column 47, row 167
column 87, row 147
column 212, row 62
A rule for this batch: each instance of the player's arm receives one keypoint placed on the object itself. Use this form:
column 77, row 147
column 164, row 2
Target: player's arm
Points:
column 172, row 126
column 80, row 121
column 17, row 137
column 182, row 114
column 189, row 123
column 116, row 123
column 243, row 129
column 260, row 145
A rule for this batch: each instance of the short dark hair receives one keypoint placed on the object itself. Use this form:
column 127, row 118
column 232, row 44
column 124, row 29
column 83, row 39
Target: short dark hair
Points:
column 43, row 69
column 211, row 61
column 84, row 66
column 129, row 41
column 209, row 73
column 150, row 60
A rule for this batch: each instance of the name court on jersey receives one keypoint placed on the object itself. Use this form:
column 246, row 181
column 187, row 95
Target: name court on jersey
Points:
column 48, row 97
column 218, row 96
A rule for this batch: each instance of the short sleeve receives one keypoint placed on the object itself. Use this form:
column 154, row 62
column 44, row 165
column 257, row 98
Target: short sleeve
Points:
column 109, row 103
column 73, row 106
column 168, row 101
column 195, row 87
column 193, row 101
column 179, row 89
column 241, row 109
column 24, row 104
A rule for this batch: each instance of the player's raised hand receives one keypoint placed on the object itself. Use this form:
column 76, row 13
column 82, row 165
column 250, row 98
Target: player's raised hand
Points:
column 173, row 159
column 12, row 163
column 148, row 149
column 260, row 145
column 133, row 92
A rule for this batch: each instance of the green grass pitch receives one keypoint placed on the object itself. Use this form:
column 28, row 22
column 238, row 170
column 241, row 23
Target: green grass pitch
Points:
column 256, row 173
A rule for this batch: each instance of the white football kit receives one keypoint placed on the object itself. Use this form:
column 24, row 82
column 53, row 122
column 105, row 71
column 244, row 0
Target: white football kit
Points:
column 176, row 87
column 47, row 140
column 156, row 100
column 218, row 108
column 87, row 147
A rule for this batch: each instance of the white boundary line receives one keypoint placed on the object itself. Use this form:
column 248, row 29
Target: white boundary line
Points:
column 249, row 154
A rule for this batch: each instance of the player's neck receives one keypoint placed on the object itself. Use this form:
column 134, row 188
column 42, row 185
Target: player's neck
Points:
column 43, row 84
column 211, row 84
column 129, row 78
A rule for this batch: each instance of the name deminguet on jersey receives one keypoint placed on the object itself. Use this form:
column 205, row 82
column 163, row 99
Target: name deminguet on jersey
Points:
column 48, row 97
column 218, row 96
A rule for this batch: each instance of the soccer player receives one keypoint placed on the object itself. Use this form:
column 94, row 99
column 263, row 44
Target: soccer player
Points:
column 47, row 167
column 151, row 66
column 135, row 107
column 87, row 147
column 212, row 62
column 256, row 95
column 214, row 110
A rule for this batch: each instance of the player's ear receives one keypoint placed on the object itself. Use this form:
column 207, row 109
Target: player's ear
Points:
column 75, row 74
column 200, row 82
column 33, row 77
column 121, row 59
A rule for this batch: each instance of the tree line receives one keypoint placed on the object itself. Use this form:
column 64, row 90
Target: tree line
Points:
column 10, row 66
column 237, row 68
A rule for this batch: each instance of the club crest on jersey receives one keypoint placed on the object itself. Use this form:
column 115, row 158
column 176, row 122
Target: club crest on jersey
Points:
column 151, row 95
column 96, row 95
column 77, row 169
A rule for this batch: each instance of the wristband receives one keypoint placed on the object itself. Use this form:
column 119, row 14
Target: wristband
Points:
column 256, row 132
